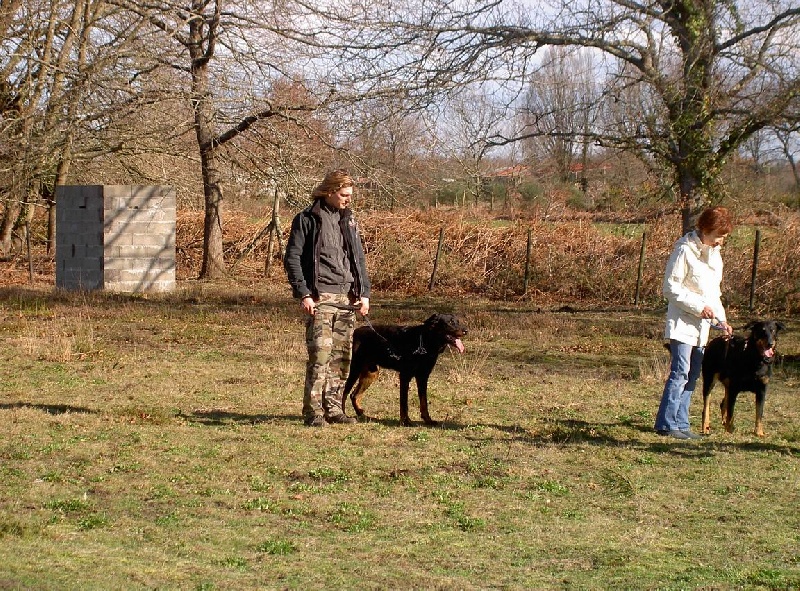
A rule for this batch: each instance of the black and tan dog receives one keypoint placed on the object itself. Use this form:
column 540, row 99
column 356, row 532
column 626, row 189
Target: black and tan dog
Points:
column 741, row 365
column 410, row 350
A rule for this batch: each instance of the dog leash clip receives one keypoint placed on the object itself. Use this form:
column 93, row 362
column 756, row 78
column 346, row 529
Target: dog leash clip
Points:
column 715, row 324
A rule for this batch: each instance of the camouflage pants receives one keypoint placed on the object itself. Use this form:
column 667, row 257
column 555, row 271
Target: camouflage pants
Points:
column 329, row 340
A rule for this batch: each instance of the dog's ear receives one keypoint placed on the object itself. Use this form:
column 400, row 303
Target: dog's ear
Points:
column 433, row 319
column 779, row 326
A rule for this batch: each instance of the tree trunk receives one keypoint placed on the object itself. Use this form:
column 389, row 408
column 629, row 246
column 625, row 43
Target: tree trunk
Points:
column 696, row 175
column 202, row 34
column 49, row 196
column 213, row 257
column 275, row 233
column 793, row 166
column 796, row 174
column 13, row 207
column 688, row 199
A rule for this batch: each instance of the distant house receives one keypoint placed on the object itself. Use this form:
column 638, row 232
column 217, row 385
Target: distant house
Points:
column 576, row 169
column 511, row 175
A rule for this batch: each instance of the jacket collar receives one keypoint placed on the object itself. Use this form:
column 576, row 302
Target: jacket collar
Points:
column 316, row 209
column 694, row 242
column 700, row 250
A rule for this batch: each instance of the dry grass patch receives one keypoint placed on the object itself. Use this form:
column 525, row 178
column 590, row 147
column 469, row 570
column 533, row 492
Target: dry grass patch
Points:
column 176, row 457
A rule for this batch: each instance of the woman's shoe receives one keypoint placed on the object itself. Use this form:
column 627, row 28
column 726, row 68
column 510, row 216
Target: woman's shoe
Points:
column 674, row 433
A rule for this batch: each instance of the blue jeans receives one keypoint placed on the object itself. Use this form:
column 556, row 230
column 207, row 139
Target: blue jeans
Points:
column 673, row 412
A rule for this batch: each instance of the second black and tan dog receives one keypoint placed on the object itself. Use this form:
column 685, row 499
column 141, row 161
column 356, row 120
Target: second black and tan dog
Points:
column 741, row 364
column 412, row 351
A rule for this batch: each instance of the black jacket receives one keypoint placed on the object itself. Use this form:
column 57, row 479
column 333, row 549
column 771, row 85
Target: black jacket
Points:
column 301, row 259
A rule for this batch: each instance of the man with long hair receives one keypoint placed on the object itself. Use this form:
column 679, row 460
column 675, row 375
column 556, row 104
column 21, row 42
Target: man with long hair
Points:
column 326, row 268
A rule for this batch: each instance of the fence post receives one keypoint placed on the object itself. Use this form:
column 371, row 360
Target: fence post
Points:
column 274, row 231
column 756, row 248
column 30, row 253
column 436, row 260
column 641, row 270
column 527, row 264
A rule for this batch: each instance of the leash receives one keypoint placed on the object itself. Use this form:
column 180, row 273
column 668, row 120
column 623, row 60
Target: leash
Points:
column 389, row 349
column 420, row 350
column 347, row 307
column 716, row 325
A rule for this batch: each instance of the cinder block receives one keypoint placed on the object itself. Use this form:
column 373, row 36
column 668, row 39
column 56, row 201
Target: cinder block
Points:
column 115, row 237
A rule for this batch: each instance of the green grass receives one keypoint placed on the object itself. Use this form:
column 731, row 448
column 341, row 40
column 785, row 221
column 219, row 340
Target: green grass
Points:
column 157, row 443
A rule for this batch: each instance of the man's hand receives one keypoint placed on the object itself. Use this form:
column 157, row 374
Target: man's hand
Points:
column 364, row 303
column 308, row 305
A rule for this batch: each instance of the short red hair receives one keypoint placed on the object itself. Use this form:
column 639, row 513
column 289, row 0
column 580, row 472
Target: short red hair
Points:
column 715, row 219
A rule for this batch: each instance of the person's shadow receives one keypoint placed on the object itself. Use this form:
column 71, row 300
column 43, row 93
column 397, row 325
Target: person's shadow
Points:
column 51, row 409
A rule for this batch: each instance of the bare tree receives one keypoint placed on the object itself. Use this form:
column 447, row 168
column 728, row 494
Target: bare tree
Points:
column 469, row 121
column 710, row 72
column 68, row 74
column 387, row 142
column 685, row 81
column 225, row 54
column 789, row 141
column 757, row 148
column 560, row 106
column 39, row 77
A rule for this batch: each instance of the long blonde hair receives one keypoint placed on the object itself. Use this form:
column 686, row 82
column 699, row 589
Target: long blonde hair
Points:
column 333, row 181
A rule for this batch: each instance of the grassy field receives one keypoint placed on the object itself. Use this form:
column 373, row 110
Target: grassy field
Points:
column 157, row 443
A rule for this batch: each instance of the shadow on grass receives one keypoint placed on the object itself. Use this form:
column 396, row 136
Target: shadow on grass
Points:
column 561, row 432
column 216, row 418
column 221, row 417
column 51, row 409
column 190, row 294
column 583, row 432
column 571, row 432
column 718, row 441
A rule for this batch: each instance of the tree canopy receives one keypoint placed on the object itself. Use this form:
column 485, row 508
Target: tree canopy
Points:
column 685, row 82
column 245, row 87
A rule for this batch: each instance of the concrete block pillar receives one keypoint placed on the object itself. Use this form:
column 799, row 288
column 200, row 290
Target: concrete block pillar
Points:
column 115, row 237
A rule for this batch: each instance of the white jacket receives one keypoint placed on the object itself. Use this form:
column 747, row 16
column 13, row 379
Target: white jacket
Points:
column 692, row 282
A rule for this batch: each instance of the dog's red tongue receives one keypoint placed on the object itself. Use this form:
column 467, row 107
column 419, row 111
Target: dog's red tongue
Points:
column 459, row 345
column 769, row 353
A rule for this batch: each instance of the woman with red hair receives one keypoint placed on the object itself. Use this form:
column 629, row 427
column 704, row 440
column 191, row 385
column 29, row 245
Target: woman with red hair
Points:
column 692, row 287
